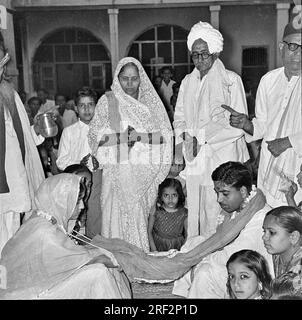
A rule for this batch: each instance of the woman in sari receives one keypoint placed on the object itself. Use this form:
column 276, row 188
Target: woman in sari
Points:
column 42, row 262
column 134, row 134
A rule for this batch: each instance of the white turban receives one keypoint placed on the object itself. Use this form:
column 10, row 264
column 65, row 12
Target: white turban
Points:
column 204, row 31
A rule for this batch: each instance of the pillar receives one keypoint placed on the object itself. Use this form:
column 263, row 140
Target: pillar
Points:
column 114, row 39
column 215, row 16
column 282, row 21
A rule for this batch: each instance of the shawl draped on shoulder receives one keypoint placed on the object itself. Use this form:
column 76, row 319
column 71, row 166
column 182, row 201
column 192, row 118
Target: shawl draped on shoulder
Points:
column 40, row 255
column 139, row 265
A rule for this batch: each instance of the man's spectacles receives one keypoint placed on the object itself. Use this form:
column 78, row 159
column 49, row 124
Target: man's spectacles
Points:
column 292, row 46
column 204, row 55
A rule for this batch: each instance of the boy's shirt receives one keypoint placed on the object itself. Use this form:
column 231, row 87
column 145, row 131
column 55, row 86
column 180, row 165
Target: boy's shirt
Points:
column 73, row 145
column 167, row 91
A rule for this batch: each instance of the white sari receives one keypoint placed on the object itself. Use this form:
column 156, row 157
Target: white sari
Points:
column 129, row 186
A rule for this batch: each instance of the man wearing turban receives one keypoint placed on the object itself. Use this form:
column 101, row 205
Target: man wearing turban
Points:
column 278, row 121
column 202, row 125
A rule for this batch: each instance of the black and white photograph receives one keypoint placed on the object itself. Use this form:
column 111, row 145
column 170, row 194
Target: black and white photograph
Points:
column 151, row 154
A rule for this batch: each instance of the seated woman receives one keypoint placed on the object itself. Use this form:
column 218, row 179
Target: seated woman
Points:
column 131, row 137
column 43, row 262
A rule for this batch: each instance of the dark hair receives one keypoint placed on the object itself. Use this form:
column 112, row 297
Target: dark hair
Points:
column 42, row 89
column 288, row 218
column 286, row 285
column 166, row 68
column 60, row 95
column 76, row 168
column 30, row 100
column 172, row 183
column 256, row 263
column 233, row 174
column 86, row 92
column 127, row 65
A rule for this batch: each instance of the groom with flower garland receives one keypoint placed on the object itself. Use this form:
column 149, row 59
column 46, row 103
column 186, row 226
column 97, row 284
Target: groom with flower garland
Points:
column 243, row 208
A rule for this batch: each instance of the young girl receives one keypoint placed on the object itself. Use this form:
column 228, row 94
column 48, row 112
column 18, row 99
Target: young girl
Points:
column 248, row 276
column 282, row 238
column 167, row 228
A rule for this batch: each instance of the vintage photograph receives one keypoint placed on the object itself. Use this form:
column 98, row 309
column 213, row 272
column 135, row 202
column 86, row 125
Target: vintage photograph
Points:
column 150, row 149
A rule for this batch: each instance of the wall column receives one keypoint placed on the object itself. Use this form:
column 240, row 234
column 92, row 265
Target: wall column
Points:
column 215, row 16
column 9, row 42
column 26, row 60
column 282, row 21
column 114, row 39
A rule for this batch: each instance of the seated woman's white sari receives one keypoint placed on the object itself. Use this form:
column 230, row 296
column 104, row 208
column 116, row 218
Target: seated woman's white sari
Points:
column 42, row 262
column 130, row 176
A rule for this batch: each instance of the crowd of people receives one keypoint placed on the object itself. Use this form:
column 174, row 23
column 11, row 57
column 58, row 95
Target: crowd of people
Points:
column 152, row 182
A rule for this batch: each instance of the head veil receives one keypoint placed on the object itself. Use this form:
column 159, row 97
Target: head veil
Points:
column 134, row 181
column 58, row 195
column 39, row 256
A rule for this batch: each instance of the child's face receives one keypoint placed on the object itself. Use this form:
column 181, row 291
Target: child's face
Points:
column 275, row 238
column 166, row 75
column 299, row 177
column 243, row 281
column 85, row 109
column 176, row 169
column 169, row 198
column 157, row 82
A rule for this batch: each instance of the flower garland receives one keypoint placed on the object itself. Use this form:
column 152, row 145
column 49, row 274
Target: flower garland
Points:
column 47, row 216
column 246, row 201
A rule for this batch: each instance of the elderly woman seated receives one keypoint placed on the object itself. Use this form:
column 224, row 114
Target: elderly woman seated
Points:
column 42, row 262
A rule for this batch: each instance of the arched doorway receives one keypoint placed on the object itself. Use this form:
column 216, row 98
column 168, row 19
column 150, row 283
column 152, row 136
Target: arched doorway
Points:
column 69, row 59
column 163, row 45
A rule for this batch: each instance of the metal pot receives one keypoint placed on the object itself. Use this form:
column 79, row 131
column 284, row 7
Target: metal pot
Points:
column 47, row 125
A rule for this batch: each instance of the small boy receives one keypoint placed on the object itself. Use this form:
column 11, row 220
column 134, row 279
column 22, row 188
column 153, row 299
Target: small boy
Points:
column 74, row 149
column 166, row 85
column 74, row 142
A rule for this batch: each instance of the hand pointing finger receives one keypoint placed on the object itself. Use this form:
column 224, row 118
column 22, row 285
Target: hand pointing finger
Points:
column 231, row 110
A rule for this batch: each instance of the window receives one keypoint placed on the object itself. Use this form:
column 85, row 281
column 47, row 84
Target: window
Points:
column 163, row 45
column 71, row 58
column 254, row 65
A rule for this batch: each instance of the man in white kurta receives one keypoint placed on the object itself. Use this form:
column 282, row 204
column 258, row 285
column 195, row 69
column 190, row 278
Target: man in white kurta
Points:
column 278, row 121
column 208, row 279
column 23, row 177
column 166, row 88
column 199, row 119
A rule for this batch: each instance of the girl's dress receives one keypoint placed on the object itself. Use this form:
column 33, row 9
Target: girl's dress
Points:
column 293, row 265
column 168, row 229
